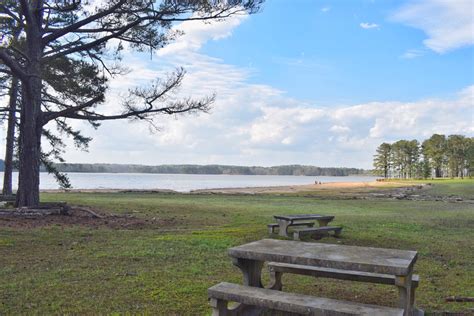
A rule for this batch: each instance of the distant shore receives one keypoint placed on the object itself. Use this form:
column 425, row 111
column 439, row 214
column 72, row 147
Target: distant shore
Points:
column 289, row 170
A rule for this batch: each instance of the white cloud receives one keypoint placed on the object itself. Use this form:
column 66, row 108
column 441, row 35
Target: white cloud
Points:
column 339, row 129
column 412, row 53
column 301, row 62
column 279, row 124
column 256, row 124
column 325, row 9
column 449, row 24
column 368, row 26
column 197, row 33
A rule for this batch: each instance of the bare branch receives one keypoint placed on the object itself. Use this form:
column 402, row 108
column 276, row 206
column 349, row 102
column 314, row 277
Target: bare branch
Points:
column 90, row 45
column 12, row 64
column 70, row 110
column 7, row 11
column 188, row 106
column 71, row 28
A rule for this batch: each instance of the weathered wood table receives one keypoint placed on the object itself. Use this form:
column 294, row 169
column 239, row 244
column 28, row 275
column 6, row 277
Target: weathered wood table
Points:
column 285, row 221
column 249, row 258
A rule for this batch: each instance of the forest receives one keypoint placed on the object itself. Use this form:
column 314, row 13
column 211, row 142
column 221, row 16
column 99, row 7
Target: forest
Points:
column 439, row 156
column 291, row 170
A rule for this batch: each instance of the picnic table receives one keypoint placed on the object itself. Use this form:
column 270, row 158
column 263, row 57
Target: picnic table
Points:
column 285, row 221
column 249, row 258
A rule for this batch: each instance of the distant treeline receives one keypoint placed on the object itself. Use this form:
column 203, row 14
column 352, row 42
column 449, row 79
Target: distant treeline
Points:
column 438, row 156
column 293, row 170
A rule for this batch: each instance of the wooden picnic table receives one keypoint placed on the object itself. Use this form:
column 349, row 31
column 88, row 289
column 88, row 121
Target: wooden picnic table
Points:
column 249, row 258
column 285, row 221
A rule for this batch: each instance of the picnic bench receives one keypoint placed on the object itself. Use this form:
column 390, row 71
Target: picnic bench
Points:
column 307, row 227
column 277, row 269
column 287, row 302
column 365, row 264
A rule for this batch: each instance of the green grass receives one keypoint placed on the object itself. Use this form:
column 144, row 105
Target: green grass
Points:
column 167, row 270
column 459, row 187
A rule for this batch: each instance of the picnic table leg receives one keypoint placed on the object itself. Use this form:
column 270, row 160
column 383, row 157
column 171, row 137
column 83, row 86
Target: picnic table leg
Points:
column 252, row 271
column 283, row 227
column 275, row 280
column 404, row 284
column 219, row 307
column 323, row 222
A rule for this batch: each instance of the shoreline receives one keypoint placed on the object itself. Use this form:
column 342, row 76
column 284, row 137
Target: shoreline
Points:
column 247, row 190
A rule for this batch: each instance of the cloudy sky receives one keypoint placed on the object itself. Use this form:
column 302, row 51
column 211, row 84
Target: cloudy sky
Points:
column 305, row 82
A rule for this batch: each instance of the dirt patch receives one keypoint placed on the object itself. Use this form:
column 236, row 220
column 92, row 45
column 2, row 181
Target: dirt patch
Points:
column 349, row 190
column 303, row 188
column 77, row 217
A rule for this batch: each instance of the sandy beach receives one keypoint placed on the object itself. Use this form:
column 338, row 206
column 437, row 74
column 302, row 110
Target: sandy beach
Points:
column 258, row 190
column 305, row 188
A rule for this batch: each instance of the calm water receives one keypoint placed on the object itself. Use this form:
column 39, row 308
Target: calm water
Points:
column 181, row 182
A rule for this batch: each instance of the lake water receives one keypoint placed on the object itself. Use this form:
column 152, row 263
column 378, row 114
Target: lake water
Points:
column 181, row 182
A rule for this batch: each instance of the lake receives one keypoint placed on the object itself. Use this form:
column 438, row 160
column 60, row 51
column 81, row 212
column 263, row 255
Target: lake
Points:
column 182, row 182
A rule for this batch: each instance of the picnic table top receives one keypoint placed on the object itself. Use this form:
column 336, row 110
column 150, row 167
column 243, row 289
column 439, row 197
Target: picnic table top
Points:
column 366, row 259
column 303, row 217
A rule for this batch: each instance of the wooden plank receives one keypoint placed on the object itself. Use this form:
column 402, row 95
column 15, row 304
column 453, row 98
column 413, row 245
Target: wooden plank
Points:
column 273, row 226
column 303, row 217
column 294, row 303
column 300, row 232
column 337, row 274
column 367, row 259
column 294, row 224
column 319, row 229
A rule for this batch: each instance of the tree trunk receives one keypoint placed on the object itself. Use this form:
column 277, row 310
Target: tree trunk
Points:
column 7, row 175
column 31, row 122
column 30, row 146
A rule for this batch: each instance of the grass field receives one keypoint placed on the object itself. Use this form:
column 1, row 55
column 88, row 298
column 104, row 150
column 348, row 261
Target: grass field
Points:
column 166, row 270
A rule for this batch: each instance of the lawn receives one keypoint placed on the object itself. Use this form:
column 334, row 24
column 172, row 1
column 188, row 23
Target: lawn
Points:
column 166, row 270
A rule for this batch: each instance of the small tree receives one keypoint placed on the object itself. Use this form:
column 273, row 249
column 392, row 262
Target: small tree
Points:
column 457, row 152
column 434, row 150
column 10, row 139
column 470, row 157
column 382, row 159
column 425, row 169
column 401, row 158
column 413, row 157
column 12, row 108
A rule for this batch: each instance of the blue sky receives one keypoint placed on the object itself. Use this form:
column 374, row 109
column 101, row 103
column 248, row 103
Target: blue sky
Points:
column 303, row 82
column 317, row 50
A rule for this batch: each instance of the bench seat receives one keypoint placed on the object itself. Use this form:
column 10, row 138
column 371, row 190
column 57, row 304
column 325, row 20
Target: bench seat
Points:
column 298, row 233
column 277, row 269
column 224, row 292
column 272, row 226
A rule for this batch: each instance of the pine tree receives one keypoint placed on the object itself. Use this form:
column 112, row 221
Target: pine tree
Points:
column 382, row 159
column 83, row 30
column 434, row 149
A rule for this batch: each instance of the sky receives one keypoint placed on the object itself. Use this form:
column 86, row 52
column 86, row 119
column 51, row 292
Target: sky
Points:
column 303, row 82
